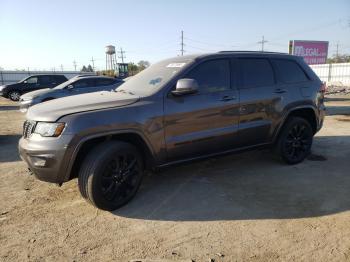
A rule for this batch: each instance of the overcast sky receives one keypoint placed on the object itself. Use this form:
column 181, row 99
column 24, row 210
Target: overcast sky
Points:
column 46, row 34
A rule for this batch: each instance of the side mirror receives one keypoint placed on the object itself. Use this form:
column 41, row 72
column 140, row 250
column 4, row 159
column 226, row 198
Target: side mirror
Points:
column 185, row 86
column 70, row 87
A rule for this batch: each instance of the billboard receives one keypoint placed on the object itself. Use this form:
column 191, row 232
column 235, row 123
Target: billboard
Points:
column 313, row 52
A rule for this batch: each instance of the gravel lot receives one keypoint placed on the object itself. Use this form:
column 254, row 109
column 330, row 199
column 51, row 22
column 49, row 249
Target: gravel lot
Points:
column 246, row 207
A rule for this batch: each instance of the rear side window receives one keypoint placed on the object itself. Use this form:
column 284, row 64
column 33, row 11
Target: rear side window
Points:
column 83, row 83
column 60, row 78
column 104, row 82
column 289, row 71
column 44, row 79
column 256, row 72
column 212, row 76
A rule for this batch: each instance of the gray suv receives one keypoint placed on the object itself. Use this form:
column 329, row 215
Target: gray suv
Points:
column 177, row 110
column 75, row 86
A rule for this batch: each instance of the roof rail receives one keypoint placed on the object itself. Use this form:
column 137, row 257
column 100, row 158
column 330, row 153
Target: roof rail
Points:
column 259, row 52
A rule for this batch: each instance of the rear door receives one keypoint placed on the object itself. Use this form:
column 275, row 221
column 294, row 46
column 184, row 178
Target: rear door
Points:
column 45, row 82
column 205, row 122
column 260, row 100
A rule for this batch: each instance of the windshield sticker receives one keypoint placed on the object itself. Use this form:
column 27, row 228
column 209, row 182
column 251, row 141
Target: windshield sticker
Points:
column 176, row 65
column 155, row 81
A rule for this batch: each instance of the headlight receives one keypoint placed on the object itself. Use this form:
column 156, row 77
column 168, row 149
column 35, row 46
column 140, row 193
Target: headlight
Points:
column 49, row 129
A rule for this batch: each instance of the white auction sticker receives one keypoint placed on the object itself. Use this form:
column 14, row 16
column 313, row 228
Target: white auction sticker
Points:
column 176, row 65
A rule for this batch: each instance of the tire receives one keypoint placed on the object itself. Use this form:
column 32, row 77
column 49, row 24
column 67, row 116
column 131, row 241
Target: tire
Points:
column 14, row 95
column 111, row 174
column 295, row 140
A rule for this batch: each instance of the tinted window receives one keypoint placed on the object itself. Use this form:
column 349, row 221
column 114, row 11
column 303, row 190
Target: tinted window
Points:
column 104, row 82
column 212, row 76
column 32, row 80
column 44, row 79
column 82, row 83
column 289, row 71
column 256, row 72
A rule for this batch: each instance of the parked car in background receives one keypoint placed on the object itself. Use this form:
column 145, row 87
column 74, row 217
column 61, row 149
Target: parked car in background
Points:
column 174, row 111
column 74, row 86
column 29, row 84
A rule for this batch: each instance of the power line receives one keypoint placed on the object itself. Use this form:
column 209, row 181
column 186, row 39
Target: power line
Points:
column 75, row 65
column 121, row 52
column 61, row 67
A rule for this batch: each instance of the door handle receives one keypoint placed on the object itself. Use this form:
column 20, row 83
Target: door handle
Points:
column 280, row 91
column 228, row 98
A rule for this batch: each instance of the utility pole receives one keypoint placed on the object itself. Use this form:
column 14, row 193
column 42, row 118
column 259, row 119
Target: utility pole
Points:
column 122, row 56
column 75, row 65
column 262, row 42
column 61, row 67
column 337, row 52
column 182, row 43
column 93, row 63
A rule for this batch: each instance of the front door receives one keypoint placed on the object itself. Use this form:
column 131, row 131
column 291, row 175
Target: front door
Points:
column 31, row 84
column 205, row 122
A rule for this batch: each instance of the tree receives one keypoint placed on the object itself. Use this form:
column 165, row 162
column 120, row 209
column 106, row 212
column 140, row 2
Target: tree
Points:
column 344, row 58
column 87, row 69
column 132, row 69
column 90, row 69
column 143, row 64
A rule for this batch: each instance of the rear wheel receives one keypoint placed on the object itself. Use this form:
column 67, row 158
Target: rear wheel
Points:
column 111, row 175
column 295, row 140
column 14, row 95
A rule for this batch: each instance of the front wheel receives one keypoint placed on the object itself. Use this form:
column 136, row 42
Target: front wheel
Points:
column 14, row 95
column 111, row 175
column 295, row 140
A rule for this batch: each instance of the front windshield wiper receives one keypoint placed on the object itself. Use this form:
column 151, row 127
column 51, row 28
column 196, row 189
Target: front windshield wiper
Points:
column 124, row 91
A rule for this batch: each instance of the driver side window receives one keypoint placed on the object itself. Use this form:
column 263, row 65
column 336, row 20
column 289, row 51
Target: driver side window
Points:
column 32, row 80
column 212, row 76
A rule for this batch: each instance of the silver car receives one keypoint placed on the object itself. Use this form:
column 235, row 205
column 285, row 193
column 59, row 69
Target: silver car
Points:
column 74, row 86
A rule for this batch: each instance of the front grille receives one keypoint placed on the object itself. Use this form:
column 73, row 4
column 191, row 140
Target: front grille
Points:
column 28, row 128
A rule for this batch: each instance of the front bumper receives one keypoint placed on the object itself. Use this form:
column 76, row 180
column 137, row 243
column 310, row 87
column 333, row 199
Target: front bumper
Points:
column 46, row 159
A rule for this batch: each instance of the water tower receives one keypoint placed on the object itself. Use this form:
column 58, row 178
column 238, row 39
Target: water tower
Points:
column 111, row 58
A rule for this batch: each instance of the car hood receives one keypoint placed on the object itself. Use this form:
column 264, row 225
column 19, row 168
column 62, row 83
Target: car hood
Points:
column 52, row 110
column 10, row 86
column 37, row 93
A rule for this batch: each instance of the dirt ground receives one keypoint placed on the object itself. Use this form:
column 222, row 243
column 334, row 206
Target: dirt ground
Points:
column 245, row 207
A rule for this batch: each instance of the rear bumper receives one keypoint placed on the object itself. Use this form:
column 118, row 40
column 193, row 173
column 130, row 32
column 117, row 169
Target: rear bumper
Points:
column 321, row 116
column 46, row 159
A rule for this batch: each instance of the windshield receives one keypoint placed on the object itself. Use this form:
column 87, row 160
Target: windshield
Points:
column 24, row 79
column 150, row 80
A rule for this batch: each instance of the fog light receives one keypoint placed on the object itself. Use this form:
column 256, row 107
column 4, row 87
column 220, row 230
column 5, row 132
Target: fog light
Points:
column 39, row 161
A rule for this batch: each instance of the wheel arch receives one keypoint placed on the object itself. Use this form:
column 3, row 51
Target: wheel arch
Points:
column 86, row 144
column 306, row 112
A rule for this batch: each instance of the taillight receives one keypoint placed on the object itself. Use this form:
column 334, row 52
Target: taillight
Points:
column 323, row 88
